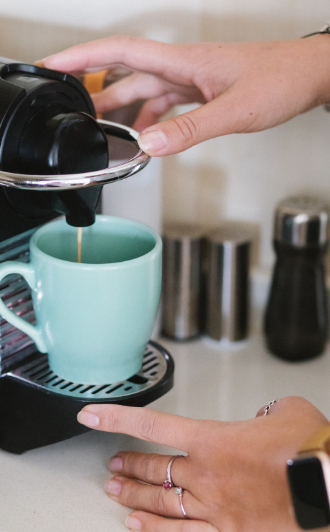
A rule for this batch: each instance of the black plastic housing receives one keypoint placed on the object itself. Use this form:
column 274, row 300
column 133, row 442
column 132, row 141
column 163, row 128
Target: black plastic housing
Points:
column 48, row 126
column 26, row 90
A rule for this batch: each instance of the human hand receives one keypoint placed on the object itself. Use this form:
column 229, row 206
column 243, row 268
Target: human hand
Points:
column 243, row 87
column 234, row 474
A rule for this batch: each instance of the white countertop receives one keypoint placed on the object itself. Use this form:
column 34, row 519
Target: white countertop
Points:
column 59, row 488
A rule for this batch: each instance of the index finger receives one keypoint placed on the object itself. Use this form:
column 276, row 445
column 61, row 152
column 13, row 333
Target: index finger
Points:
column 131, row 52
column 143, row 423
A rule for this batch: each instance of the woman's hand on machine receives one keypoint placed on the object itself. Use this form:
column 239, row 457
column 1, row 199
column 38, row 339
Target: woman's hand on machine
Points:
column 242, row 87
column 233, row 475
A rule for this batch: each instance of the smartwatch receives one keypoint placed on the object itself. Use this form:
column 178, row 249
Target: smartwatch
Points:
column 309, row 481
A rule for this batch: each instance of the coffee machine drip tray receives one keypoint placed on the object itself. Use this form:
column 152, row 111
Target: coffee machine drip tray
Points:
column 154, row 369
column 37, row 407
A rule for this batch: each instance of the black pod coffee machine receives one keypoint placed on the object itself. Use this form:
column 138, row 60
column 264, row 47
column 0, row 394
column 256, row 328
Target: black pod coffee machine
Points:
column 54, row 160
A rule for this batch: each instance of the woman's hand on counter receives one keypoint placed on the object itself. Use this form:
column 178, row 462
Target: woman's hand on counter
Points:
column 242, row 87
column 233, row 476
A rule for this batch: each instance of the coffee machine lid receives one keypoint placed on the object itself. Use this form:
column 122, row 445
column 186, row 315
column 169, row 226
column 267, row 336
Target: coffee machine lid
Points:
column 48, row 129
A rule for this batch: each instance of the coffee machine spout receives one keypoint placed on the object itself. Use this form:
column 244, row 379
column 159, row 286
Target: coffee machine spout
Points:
column 79, row 206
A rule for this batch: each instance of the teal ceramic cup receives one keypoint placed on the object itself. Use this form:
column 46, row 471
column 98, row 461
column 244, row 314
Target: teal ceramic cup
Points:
column 94, row 318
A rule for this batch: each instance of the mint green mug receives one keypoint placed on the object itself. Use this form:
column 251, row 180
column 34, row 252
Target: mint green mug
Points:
column 94, row 318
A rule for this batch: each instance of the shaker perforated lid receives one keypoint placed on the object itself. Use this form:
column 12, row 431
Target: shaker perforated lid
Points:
column 301, row 221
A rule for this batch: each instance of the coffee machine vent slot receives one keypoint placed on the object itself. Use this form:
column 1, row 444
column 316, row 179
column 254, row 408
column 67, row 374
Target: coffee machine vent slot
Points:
column 16, row 248
column 14, row 290
column 38, row 374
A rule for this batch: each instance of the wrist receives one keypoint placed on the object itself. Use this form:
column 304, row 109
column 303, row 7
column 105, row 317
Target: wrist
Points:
column 317, row 52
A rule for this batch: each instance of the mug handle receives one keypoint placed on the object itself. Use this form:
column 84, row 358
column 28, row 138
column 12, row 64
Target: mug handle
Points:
column 27, row 271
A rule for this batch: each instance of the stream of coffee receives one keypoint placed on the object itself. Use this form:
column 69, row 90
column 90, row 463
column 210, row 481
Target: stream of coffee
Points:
column 79, row 244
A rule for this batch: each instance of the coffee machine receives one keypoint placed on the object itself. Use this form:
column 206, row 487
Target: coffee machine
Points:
column 55, row 158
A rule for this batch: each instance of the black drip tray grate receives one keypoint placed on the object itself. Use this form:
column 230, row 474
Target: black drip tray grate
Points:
column 38, row 373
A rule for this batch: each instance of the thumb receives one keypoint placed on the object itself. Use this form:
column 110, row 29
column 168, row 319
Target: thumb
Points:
column 171, row 136
column 213, row 119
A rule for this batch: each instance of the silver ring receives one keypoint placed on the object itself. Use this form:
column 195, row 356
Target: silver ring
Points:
column 179, row 491
column 267, row 407
column 168, row 483
column 84, row 179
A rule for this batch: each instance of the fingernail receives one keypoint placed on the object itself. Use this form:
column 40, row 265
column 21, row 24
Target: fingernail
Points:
column 133, row 523
column 153, row 141
column 116, row 464
column 88, row 419
column 113, row 487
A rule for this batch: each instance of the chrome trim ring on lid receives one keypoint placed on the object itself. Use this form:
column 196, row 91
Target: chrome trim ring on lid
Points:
column 86, row 179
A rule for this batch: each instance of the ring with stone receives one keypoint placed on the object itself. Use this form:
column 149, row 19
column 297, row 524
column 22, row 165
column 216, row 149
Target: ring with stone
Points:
column 179, row 491
column 168, row 483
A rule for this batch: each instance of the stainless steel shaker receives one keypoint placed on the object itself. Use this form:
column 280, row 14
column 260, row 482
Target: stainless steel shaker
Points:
column 227, row 257
column 181, row 294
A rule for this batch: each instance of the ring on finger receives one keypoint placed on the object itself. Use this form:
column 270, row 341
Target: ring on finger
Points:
column 168, row 483
column 267, row 407
column 179, row 491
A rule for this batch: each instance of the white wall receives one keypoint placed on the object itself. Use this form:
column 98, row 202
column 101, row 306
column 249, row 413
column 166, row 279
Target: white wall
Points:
column 241, row 176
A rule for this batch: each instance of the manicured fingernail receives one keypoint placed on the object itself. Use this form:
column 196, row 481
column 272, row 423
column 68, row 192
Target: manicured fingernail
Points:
column 153, row 141
column 88, row 419
column 116, row 464
column 113, row 487
column 132, row 523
